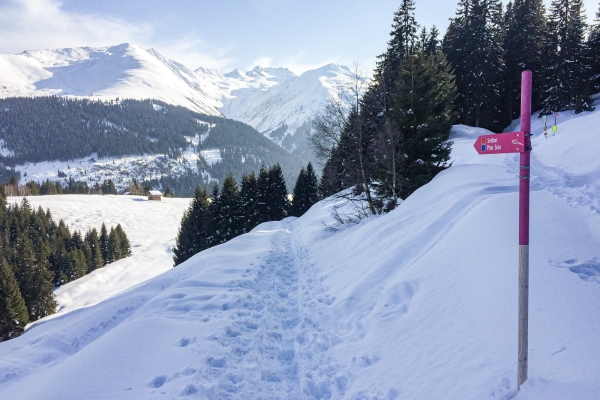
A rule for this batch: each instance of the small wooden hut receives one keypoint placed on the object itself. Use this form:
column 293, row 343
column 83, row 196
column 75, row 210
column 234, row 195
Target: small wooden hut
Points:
column 155, row 195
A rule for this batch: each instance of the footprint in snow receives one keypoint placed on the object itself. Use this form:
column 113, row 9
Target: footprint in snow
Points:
column 588, row 271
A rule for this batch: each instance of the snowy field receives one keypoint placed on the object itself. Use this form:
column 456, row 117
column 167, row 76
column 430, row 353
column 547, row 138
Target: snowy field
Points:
column 418, row 304
column 151, row 227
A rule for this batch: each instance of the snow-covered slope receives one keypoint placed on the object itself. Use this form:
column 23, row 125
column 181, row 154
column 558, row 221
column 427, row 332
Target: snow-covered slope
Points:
column 151, row 227
column 273, row 100
column 420, row 303
column 284, row 111
column 124, row 71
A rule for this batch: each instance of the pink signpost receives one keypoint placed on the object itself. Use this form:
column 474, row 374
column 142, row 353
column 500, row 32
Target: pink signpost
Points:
column 518, row 142
column 513, row 142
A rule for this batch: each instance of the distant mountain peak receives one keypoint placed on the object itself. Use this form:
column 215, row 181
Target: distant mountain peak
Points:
column 125, row 70
column 236, row 74
column 278, row 73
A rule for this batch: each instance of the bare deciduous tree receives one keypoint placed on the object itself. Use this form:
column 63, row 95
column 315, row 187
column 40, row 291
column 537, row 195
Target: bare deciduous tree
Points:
column 340, row 116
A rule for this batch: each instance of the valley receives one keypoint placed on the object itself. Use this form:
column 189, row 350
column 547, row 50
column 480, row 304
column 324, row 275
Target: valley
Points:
column 274, row 101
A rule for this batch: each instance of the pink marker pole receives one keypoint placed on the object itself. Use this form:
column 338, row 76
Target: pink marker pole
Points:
column 524, row 179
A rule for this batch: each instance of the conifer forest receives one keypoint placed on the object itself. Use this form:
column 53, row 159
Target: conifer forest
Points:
column 38, row 254
column 231, row 210
column 389, row 136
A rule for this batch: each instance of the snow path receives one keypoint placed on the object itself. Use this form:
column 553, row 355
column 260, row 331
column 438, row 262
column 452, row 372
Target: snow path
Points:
column 259, row 357
column 273, row 347
column 576, row 190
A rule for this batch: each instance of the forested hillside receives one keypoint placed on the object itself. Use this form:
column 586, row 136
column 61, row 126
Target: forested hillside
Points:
column 391, row 135
column 61, row 129
column 37, row 254
column 58, row 128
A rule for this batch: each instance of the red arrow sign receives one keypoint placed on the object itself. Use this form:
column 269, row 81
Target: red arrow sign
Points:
column 512, row 142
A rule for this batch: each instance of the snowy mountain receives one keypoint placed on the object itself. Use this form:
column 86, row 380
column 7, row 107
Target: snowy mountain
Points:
column 420, row 303
column 124, row 71
column 275, row 101
column 283, row 112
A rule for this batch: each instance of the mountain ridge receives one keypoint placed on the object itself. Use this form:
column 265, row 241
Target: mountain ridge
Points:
column 270, row 99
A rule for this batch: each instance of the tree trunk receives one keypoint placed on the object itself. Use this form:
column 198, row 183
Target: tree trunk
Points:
column 363, row 174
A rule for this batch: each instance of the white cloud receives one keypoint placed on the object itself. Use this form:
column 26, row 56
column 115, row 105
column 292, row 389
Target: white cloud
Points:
column 45, row 24
column 194, row 53
column 263, row 62
column 42, row 24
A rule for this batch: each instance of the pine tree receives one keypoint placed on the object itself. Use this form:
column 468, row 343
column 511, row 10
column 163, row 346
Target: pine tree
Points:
column 47, row 188
column 59, row 260
column 77, row 265
column 263, row 196
column 367, row 122
column 593, row 51
column 114, row 246
column 306, row 191
column 298, row 207
column 525, row 24
column 35, row 280
column 403, row 39
column 104, row 245
column 568, row 70
column 192, row 237
column 278, row 196
column 313, row 192
column 87, row 251
column 169, row 192
column 249, row 202
column 228, row 219
column 473, row 46
column 213, row 231
column 429, row 42
column 331, row 179
column 184, row 243
column 423, row 112
column 60, row 266
column 108, row 187
column 124, row 244
column 95, row 260
column 76, row 242
column 13, row 312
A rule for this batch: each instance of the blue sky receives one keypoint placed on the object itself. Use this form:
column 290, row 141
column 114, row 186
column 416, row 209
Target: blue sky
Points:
column 223, row 34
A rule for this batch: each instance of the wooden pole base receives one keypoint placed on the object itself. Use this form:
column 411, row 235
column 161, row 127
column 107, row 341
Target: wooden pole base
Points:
column 523, row 312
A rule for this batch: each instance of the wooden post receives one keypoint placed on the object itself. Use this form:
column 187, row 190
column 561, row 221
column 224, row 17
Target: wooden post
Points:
column 524, row 175
column 523, row 313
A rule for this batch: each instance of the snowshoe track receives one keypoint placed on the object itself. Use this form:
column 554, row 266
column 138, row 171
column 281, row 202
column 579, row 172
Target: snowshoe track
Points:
column 274, row 347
